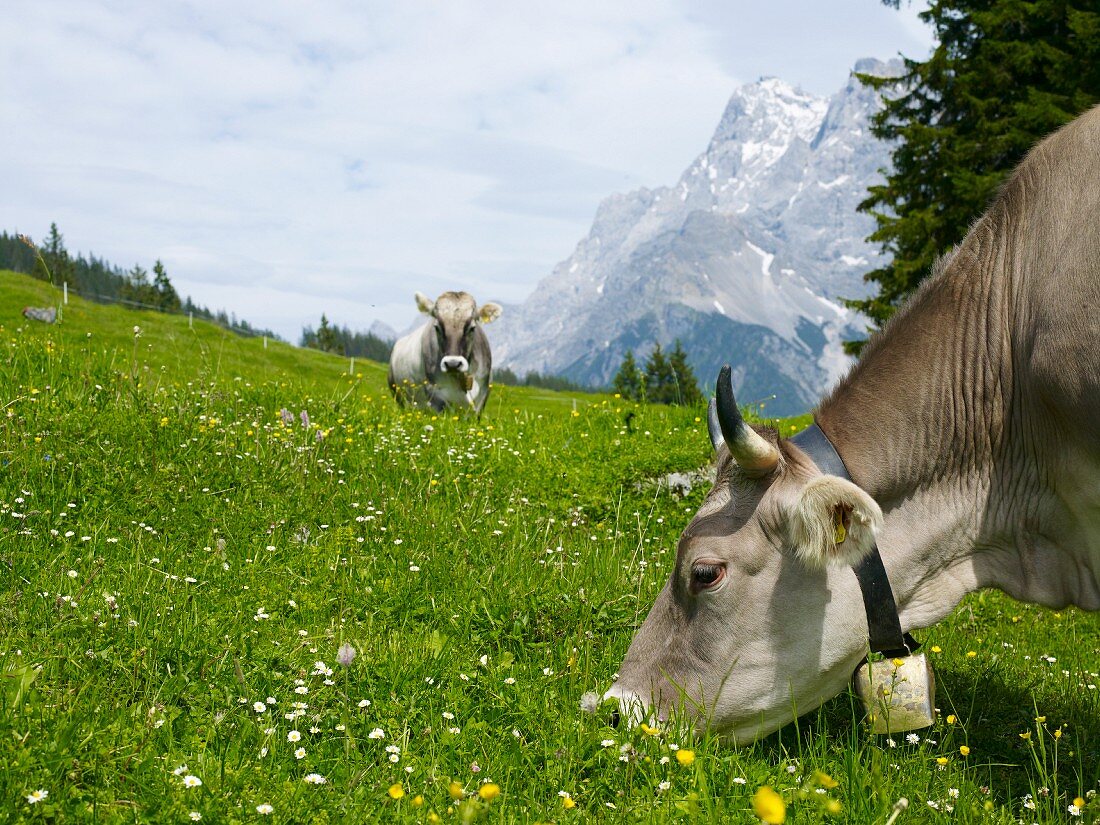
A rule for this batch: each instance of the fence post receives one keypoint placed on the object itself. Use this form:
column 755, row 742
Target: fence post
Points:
column 190, row 320
column 65, row 290
column 351, row 369
column 265, row 342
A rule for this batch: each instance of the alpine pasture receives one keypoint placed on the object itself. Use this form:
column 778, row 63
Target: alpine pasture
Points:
column 241, row 585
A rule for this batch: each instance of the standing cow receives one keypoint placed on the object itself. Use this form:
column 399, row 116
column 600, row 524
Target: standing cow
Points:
column 447, row 361
column 968, row 431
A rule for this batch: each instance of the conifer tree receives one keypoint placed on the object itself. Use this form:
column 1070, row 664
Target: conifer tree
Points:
column 326, row 337
column 137, row 289
column 53, row 263
column 1002, row 76
column 167, row 299
column 660, row 383
column 628, row 380
column 684, row 383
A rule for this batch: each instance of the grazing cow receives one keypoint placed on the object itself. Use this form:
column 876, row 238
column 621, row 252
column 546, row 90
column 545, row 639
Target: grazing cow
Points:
column 968, row 431
column 447, row 361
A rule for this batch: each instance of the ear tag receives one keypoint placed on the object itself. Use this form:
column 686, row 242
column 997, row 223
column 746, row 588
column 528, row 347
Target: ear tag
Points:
column 898, row 694
column 840, row 532
column 469, row 382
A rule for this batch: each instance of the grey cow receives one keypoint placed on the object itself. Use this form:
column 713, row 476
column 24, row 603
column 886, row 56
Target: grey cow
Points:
column 968, row 428
column 447, row 361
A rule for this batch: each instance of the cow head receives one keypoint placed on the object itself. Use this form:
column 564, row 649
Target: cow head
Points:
column 762, row 618
column 455, row 316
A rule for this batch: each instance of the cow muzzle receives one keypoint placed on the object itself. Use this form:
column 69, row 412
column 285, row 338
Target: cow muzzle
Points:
column 454, row 363
column 630, row 707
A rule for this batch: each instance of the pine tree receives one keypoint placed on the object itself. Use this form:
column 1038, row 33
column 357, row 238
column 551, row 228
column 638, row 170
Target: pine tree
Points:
column 326, row 337
column 628, row 380
column 660, row 384
column 53, row 263
column 1002, row 76
column 137, row 289
column 684, row 383
column 167, row 299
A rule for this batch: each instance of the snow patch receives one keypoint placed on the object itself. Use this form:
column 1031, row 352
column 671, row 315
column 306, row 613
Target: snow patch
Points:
column 766, row 263
column 835, row 182
column 719, row 307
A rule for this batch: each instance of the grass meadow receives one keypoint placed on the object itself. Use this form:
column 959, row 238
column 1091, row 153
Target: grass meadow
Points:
column 196, row 531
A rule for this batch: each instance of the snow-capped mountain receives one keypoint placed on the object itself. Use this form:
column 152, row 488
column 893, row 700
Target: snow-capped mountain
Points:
column 744, row 260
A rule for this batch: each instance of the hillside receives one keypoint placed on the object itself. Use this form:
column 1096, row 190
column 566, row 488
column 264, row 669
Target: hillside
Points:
column 240, row 585
column 168, row 349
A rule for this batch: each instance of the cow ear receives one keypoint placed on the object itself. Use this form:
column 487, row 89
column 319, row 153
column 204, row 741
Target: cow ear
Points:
column 833, row 522
column 424, row 303
column 489, row 312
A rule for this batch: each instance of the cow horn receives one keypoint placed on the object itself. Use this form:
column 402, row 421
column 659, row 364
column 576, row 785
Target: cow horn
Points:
column 753, row 453
column 714, row 427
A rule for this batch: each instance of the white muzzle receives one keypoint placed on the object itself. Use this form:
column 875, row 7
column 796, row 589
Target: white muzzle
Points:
column 454, row 363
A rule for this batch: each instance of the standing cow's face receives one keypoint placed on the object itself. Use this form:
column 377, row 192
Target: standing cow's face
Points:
column 762, row 618
column 455, row 316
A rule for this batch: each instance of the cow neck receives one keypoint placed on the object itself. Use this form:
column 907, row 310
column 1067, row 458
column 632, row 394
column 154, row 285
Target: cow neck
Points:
column 883, row 623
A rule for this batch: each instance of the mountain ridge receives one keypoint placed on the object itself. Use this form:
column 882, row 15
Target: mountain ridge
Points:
column 744, row 258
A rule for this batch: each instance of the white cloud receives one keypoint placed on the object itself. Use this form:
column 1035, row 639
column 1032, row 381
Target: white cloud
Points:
column 286, row 159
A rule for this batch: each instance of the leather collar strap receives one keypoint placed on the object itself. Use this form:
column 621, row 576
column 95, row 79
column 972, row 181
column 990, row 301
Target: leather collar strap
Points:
column 883, row 624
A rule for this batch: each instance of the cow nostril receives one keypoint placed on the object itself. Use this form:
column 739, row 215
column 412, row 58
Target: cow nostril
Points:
column 616, row 718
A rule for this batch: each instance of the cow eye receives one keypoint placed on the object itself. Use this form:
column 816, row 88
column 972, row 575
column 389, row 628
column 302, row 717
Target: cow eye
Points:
column 704, row 575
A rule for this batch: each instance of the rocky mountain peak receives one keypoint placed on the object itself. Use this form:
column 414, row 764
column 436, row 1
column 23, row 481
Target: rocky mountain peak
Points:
column 744, row 259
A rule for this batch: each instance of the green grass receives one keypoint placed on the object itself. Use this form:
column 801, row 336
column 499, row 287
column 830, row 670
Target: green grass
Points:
column 172, row 553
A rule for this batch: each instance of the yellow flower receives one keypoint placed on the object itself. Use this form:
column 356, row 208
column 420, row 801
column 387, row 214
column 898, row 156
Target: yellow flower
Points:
column 769, row 806
column 941, row 760
column 1058, row 733
column 433, row 817
column 937, row 649
column 950, row 718
column 833, row 806
column 456, row 791
column 685, row 757
column 898, row 662
column 568, row 803
column 824, row 780
column 396, row 791
column 646, row 729
column 1079, row 802
column 1025, row 735
column 964, row 750
column 417, row 801
column 489, row 791
column 1040, row 719
column 970, row 654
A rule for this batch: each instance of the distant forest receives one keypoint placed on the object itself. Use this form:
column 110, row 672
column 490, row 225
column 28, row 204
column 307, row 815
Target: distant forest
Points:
column 99, row 280
column 342, row 341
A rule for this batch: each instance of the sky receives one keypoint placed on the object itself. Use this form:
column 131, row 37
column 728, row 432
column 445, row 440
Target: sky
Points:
column 288, row 159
